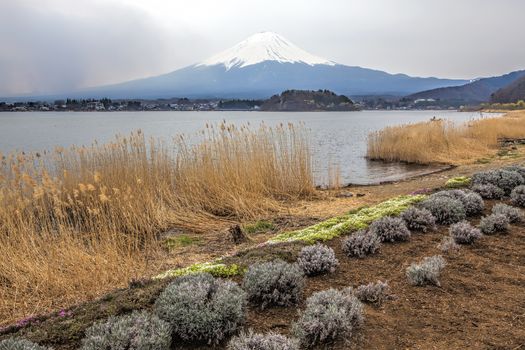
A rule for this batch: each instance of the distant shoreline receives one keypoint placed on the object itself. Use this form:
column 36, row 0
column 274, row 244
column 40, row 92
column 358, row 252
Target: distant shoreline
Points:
column 250, row 110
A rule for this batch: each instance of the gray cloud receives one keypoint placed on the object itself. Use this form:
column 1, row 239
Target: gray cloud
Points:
column 57, row 45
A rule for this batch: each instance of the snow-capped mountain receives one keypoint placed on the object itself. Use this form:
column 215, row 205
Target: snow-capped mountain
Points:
column 261, row 47
column 263, row 65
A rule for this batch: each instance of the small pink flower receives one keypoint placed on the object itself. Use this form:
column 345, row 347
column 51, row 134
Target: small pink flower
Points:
column 25, row 321
column 64, row 313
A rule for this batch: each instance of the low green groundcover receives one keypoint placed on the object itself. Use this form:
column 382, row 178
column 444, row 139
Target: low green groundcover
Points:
column 337, row 226
column 216, row 269
column 457, row 182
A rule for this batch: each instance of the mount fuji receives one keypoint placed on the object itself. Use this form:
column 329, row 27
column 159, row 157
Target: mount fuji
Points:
column 263, row 65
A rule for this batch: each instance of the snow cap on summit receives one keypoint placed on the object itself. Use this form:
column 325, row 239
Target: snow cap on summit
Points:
column 260, row 47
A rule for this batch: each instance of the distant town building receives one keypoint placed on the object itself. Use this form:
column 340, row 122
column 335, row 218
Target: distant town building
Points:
column 421, row 100
column 95, row 106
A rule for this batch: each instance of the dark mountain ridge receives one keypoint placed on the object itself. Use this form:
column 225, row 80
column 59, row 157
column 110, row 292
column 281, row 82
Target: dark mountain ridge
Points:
column 475, row 92
column 511, row 93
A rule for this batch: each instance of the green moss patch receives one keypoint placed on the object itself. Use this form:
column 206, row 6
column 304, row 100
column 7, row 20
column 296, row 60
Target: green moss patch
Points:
column 216, row 269
column 340, row 225
column 458, row 182
column 258, row 227
column 178, row 241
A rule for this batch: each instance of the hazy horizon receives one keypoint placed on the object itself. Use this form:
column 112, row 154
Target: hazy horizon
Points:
column 58, row 45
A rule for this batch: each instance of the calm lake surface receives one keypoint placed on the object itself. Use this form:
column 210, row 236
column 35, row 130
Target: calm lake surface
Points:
column 337, row 137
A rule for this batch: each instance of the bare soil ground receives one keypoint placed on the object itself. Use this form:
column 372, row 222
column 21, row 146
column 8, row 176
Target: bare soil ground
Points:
column 480, row 304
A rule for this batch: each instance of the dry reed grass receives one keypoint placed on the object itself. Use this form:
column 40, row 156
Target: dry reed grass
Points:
column 445, row 141
column 78, row 222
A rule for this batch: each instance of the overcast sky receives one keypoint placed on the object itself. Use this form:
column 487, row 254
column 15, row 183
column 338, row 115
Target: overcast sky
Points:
column 57, row 45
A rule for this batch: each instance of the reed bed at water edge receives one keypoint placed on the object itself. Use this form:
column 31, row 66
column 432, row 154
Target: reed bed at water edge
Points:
column 443, row 141
column 77, row 222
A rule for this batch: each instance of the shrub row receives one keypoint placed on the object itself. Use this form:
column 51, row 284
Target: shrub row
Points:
column 495, row 184
column 506, row 179
column 488, row 191
column 452, row 206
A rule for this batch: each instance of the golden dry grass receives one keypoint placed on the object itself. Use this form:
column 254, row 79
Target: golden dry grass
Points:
column 79, row 222
column 444, row 141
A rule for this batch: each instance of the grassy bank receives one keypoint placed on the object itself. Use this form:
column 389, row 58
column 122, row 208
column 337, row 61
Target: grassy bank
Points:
column 86, row 220
column 443, row 141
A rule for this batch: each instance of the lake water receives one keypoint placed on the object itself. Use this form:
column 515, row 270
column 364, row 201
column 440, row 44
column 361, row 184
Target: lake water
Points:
column 337, row 137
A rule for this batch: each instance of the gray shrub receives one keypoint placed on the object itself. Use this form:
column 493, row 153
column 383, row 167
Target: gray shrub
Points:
column 448, row 245
column 274, row 283
column 517, row 168
column 317, row 259
column 419, row 219
column 328, row 315
column 485, row 177
column 390, row 229
column 504, row 179
column 512, row 213
column 464, row 233
column 137, row 331
column 494, row 223
column 360, row 244
column 454, row 194
column 374, row 293
column 446, row 210
column 473, row 204
column 509, row 179
column 426, row 272
column 257, row 341
column 20, row 344
column 488, row 191
column 202, row 308
column 517, row 196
